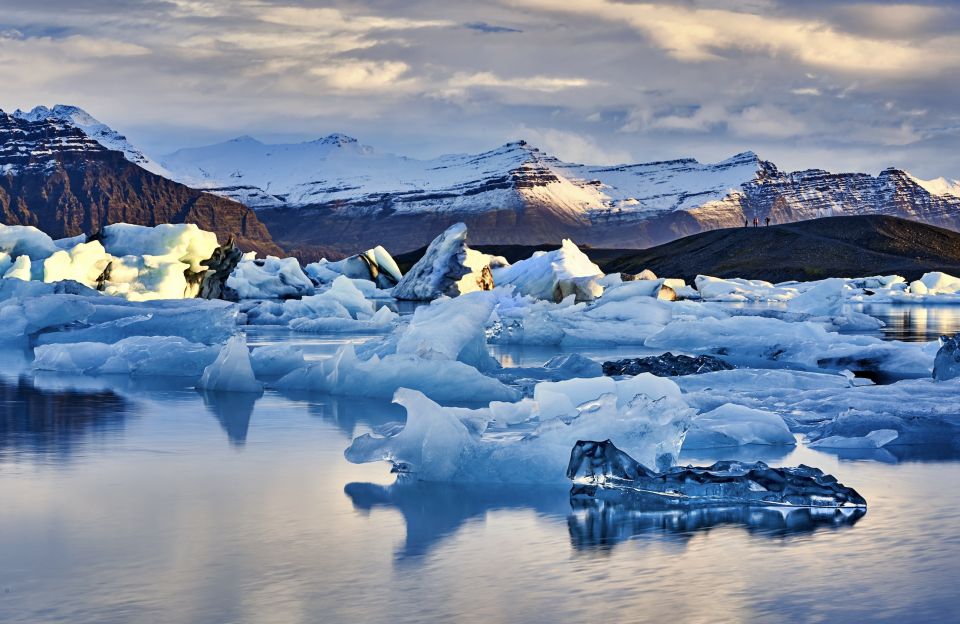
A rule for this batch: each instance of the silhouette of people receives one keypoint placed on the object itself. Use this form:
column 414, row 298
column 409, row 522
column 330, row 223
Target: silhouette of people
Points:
column 746, row 223
column 768, row 220
column 756, row 222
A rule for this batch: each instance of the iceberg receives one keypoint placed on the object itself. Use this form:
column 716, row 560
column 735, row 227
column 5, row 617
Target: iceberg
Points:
column 137, row 356
column 601, row 470
column 443, row 380
column 946, row 364
column 454, row 444
column 270, row 278
column 736, row 425
column 554, row 275
column 231, row 371
column 448, row 267
column 339, row 307
column 873, row 440
column 375, row 265
column 276, row 360
column 753, row 340
column 935, row 283
column 666, row 365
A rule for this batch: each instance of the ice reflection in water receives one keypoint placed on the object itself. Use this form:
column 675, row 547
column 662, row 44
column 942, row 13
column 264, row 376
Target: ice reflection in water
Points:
column 914, row 323
column 602, row 524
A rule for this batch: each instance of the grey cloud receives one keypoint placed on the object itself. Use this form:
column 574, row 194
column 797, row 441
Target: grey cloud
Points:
column 423, row 77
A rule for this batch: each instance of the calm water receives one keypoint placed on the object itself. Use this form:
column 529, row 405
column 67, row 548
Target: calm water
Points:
column 146, row 501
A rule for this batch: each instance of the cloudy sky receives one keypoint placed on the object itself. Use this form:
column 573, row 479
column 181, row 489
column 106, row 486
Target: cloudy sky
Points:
column 827, row 83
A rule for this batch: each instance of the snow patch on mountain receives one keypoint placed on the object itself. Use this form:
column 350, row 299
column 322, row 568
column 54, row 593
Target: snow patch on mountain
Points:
column 93, row 128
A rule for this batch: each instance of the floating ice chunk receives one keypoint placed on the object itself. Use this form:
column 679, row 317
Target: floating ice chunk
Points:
column 184, row 242
column 873, row 440
column 84, row 263
column 20, row 269
column 751, row 340
column 138, row 355
column 25, row 240
column 736, row 289
column 276, row 360
column 601, row 470
column 24, row 317
column 448, row 267
column 935, row 283
column 946, row 365
column 735, row 425
column 824, row 299
column 451, row 329
column 375, row 265
column 231, row 371
column 445, row 444
column 443, row 380
column 554, row 275
column 196, row 320
column 666, row 365
column 70, row 242
column 341, row 307
column 271, row 278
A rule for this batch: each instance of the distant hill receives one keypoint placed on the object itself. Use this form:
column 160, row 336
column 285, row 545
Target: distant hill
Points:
column 830, row 247
column 806, row 250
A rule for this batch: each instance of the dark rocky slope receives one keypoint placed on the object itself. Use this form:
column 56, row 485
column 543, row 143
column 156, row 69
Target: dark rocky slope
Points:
column 56, row 178
column 829, row 247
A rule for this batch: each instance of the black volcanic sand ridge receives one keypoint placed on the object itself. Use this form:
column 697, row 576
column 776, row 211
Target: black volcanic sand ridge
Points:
column 855, row 246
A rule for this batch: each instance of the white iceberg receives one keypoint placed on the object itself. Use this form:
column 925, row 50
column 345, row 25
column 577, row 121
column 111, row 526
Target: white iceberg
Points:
column 136, row 356
column 231, row 371
column 449, row 444
column 735, row 425
column 270, row 278
column 554, row 275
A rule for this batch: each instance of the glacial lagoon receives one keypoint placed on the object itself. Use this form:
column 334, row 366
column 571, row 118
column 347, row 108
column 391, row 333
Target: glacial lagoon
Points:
column 144, row 500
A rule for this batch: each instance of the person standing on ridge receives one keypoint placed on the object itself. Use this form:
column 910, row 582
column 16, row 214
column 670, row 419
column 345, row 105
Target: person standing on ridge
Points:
column 746, row 223
column 768, row 221
column 756, row 222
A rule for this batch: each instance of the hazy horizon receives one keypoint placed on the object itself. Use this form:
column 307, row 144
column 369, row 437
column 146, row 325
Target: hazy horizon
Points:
column 843, row 86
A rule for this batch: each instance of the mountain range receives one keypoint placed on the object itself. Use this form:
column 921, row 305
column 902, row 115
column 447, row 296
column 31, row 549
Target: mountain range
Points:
column 338, row 196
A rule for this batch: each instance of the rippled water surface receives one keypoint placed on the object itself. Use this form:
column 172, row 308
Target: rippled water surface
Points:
column 147, row 501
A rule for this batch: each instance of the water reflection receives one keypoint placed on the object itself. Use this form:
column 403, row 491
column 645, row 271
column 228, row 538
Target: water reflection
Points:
column 233, row 411
column 38, row 421
column 348, row 414
column 602, row 524
column 914, row 323
column 433, row 511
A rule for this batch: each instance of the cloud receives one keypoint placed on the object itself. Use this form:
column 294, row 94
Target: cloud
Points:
column 547, row 84
column 573, row 147
column 701, row 35
column 490, row 28
column 823, row 83
column 362, row 75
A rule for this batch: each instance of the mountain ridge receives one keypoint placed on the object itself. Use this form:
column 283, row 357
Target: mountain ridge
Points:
column 56, row 177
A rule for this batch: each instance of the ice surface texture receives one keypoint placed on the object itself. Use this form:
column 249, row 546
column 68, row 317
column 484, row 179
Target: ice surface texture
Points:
column 600, row 469
column 231, row 371
column 553, row 275
column 666, row 365
column 448, row 267
column 946, row 365
column 437, row 443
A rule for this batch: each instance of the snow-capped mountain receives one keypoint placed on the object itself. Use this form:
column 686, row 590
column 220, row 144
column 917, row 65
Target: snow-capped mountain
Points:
column 340, row 195
column 99, row 132
column 335, row 191
column 56, row 176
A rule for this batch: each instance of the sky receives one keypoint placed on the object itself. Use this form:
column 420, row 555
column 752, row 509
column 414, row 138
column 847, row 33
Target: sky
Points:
column 844, row 86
